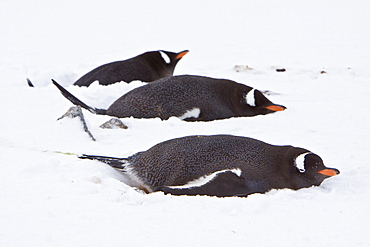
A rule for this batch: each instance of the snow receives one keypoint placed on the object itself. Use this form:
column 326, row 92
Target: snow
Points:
column 49, row 197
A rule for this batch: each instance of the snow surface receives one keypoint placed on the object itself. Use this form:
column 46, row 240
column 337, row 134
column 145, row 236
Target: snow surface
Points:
column 50, row 198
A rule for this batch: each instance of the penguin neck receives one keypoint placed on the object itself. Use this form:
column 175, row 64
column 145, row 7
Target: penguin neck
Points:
column 303, row 180
column 163, row 69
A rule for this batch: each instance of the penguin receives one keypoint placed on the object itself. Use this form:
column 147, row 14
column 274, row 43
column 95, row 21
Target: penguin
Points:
column 188, row 97
column 146, row 67
column 219, row 165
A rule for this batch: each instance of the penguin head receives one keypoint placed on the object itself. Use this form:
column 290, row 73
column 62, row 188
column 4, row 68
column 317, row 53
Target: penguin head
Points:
column 312, row 170
column 162, row 63
column 261, row 105
column 171, row 58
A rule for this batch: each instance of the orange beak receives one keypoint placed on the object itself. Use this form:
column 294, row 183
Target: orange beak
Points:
column 329, row 172
column 181, row 54
column 275, row 107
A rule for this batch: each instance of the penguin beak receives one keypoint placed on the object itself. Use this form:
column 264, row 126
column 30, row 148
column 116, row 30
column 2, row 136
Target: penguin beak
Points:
column 275, row 107
column 181, row 54
column 329, row 172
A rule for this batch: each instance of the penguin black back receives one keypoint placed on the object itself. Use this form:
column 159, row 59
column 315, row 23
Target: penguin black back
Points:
column 189, row 97
column 228, row 165
column 146, row 67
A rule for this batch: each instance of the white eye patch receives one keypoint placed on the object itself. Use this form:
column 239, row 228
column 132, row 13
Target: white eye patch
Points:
column 249, row 98
column 299, row 161
column 165, row 57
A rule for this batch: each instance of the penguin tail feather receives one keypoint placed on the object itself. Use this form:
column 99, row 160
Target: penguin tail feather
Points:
column 30, row 84
column 118, row 163
column 78, row 102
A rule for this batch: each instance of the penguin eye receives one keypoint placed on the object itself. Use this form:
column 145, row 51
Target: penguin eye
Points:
column 250, row 99
column 299, row 162
column 165, row 57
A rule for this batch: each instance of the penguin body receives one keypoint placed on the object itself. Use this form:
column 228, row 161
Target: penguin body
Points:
column 219, row 165
column 189, row 97
column 146, row 67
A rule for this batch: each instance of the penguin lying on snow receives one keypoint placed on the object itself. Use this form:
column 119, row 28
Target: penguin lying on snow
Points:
column 189, row 97
column 146, row 67
column 220, row 165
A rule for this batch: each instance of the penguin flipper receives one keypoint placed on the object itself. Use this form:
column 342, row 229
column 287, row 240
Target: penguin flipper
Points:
column 223, row 185
column 78, row 102
column 117, row 163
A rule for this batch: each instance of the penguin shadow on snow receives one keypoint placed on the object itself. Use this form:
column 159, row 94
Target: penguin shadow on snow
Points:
column 219, row 165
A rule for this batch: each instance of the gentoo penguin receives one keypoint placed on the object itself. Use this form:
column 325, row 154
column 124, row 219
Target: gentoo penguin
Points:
column 146, row 67
column 189, row 97
column 220, row 165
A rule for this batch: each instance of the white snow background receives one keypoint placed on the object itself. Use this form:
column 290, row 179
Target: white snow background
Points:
column 48, row 198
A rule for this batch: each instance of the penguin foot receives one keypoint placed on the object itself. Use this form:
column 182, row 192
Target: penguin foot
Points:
column 75, row 111
column 114, row 123
column 71, row 113
column 240, row 68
